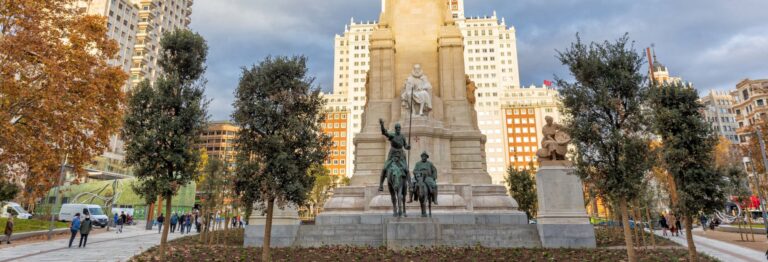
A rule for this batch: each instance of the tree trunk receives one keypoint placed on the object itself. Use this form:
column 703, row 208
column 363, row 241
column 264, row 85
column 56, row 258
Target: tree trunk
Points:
column 166, row 225
column 203, row 211
column 150, row 214
column 159, row 205
column 639, row 220
column 689, row 237
column 635, row 228
column 265, row 255
column 631, row 257
column 650, row 222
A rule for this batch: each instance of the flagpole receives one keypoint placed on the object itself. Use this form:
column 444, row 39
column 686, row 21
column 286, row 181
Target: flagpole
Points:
column 410, row 126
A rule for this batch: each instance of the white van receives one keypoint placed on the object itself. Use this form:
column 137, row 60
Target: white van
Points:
column 98, row 217
column 14, row 209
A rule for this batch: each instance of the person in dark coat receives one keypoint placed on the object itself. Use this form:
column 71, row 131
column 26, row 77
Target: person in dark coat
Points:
column 160, row 221
column 8, row 230
column 85, row 229
column 664, row 226
column 174, row 221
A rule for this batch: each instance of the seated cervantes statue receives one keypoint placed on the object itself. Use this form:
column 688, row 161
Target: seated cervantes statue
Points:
column 417, row 92
column 554, row 145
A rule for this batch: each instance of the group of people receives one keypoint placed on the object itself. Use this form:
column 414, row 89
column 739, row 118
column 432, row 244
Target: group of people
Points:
column 670, row 222
column 184, row 222
column 120, row 220
column 83, row 227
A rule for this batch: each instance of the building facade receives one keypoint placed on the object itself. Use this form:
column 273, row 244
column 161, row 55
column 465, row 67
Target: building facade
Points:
column 750, row 105
column 525, row 110
column 219, row 140
column 137, row 26
column 719, row 114
column 337, row 124
column 490, row 53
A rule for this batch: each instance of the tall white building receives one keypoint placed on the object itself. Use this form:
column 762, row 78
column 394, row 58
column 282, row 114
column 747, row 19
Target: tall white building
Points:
column 718, row 112
column 137, row 26
column 490, row 55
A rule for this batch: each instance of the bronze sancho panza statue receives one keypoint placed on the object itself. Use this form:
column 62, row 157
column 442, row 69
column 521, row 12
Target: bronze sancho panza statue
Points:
column 554, row 145
column 425, row 187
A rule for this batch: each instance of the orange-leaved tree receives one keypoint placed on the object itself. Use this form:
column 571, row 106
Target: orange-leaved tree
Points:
column 59, row 96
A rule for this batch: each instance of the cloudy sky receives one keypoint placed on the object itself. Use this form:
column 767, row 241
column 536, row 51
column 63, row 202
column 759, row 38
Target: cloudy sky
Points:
column 712, row 43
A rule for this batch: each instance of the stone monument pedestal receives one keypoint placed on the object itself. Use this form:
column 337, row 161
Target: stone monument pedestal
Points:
column 285, row 227
column 562, row 218
column 403, row 233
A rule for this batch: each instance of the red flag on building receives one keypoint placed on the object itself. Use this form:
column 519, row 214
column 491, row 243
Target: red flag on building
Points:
column 547, row 83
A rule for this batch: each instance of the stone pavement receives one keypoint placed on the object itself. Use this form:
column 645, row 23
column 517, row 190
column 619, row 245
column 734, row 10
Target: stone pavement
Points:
column 718, row 249
column 107, row 246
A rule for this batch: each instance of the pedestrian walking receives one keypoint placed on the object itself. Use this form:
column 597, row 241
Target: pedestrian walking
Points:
column 115, row 220
column 703, row 220
column 122, row 220
column 8, row 230
column 85, row 229
column 663, row 224
column 678, row 226
column 190, row 220
column 174, row 221
column 160, row 221
column 197, row 223
column 74, row 227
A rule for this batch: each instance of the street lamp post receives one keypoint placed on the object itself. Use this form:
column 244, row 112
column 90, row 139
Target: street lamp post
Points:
column 757, row 177
column 58, row 196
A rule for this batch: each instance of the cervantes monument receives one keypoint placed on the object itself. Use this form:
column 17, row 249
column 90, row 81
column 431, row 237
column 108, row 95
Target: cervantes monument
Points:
column 417, row 52
column 416, row 87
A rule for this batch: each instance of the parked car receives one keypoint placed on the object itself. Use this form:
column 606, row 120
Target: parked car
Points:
column 98, row 217
column 14, row 209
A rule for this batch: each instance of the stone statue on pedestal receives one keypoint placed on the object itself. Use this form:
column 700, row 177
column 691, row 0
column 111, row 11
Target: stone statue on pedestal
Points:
column 425, row 186
column 554, row 145
column 417, row 92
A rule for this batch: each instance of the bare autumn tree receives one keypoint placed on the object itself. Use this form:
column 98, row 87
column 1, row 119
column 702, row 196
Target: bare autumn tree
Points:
column 58, row 94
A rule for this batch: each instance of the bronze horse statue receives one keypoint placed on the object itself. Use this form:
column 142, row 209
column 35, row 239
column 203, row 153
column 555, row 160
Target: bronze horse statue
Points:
column 425, row 194
column 396, row 179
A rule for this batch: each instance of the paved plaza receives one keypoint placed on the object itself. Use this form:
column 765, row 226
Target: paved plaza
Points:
column 104, row 246
column 716, row 246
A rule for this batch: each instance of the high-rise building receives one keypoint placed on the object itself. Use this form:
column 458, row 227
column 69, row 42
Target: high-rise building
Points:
column 219, row 140
column 524, row 116
column 719, row 114
column 137, row 26
column 750, row 105
column 490, row 55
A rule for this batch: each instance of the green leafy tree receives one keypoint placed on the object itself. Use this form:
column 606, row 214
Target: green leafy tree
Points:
column 8, row 190
column 605, row 120
column 688, row 153
column 279, row 112
column 522, row 187
column 323, row 183
column 165, row 120
column 212, row 182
